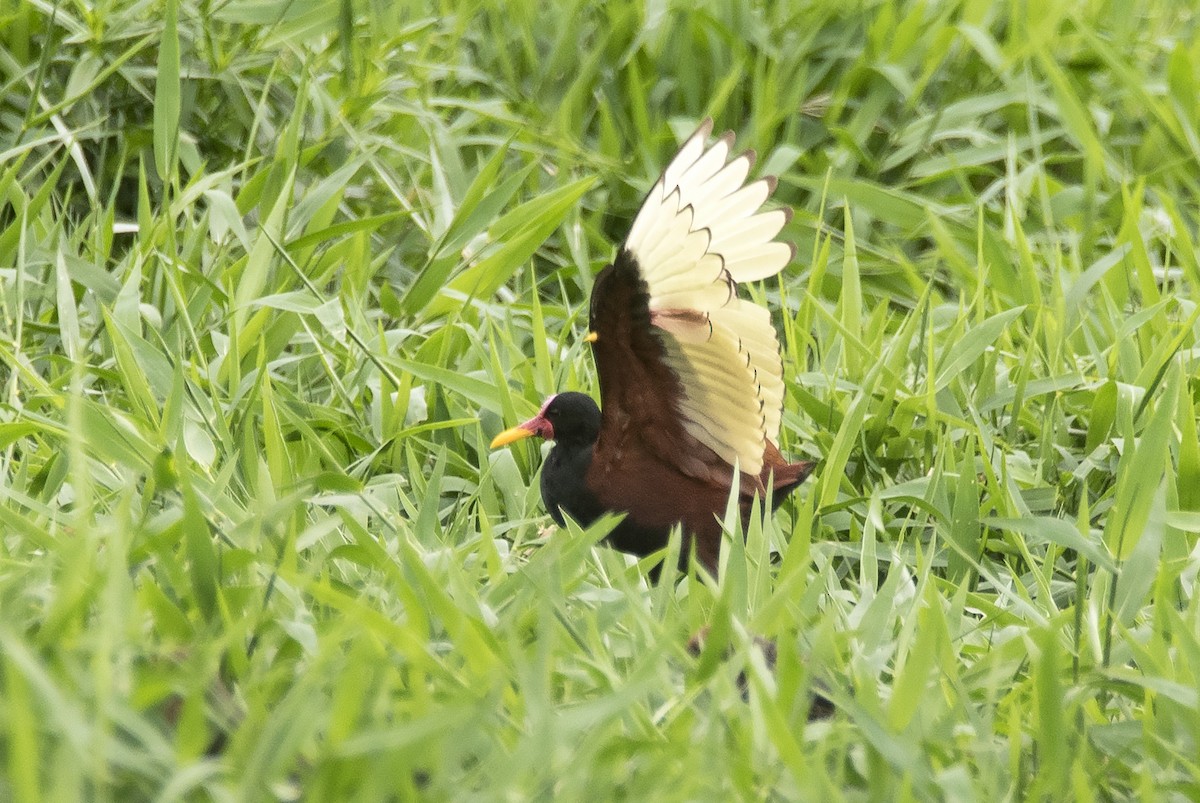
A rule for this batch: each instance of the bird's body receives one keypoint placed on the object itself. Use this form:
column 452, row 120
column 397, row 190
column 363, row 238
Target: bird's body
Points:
column 690, row 375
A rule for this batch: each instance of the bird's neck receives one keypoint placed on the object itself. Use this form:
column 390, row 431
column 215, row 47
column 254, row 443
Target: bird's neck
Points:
column 572, row 453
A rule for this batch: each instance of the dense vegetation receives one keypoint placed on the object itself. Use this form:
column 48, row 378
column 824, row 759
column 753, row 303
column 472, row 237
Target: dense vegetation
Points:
column 273, row 272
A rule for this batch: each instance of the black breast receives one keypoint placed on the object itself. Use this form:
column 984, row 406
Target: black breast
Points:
column 564, row 487
column 564, row 484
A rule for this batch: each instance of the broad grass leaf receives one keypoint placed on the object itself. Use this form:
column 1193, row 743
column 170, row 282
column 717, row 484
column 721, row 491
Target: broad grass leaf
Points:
column 1140, row 473
column 167, row 96
column 1044, row 529
column 519, row 233
column 973, row 344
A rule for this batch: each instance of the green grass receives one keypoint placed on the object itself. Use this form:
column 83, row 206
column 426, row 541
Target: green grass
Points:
column 273, row 273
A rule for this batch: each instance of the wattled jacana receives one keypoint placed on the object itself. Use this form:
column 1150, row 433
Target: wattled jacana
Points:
column 691, row 380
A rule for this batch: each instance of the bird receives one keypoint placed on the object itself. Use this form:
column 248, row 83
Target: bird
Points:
column 690, row 373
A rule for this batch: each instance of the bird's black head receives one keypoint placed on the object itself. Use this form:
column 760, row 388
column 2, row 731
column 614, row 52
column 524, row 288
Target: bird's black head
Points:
column 573, row 418
column 568, row 418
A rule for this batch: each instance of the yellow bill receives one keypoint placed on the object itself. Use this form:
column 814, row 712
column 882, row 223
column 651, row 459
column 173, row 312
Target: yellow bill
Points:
column 511, row 435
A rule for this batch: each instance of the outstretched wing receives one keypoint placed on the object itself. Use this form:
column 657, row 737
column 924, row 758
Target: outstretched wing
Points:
column 680, row 356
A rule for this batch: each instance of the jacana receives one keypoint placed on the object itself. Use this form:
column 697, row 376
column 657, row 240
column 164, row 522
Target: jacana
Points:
column 691, row 380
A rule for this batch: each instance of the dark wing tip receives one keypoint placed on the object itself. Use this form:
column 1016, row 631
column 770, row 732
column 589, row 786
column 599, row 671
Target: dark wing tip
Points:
column 704, row 129
column 787, row 214
column 674, row 193
column 791, row 247
column 751, row 156
column 772, row 182
column 690, row 211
